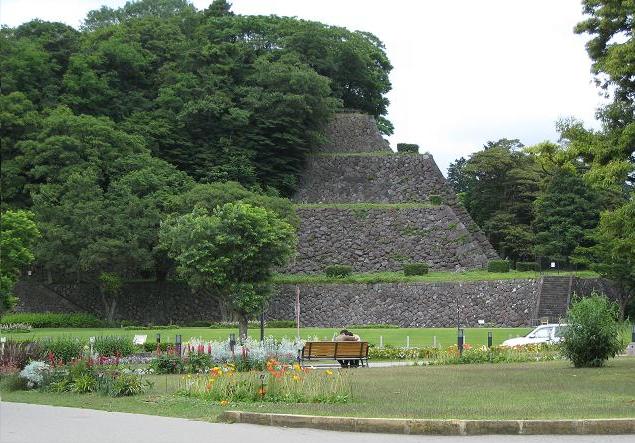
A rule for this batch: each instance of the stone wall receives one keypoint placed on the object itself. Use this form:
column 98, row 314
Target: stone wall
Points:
column 389, row 179
column 353, row 132
column 143, row 302
column 373, row 240
column 500, row 303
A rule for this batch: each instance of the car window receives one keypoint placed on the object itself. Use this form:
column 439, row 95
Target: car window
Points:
column 560, row 331
column 543, row 333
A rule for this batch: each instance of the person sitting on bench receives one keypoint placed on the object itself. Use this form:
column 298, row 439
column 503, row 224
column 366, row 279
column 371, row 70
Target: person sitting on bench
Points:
column 346, row 335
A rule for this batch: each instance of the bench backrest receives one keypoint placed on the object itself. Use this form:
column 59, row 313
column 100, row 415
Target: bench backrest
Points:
column 337, row 349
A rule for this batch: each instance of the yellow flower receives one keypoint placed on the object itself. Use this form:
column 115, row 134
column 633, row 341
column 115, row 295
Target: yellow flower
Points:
column 329, row 372
column 297, row 367
column 296, row 378
column 224, row 402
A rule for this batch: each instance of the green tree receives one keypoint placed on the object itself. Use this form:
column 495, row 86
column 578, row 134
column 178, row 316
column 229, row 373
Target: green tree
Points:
column 232, row 251
column 18, row 234
column 613, row 254
column 110, row 285
column 565, row 214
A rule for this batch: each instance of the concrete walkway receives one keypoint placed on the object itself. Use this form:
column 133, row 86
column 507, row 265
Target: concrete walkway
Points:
column 25, row 423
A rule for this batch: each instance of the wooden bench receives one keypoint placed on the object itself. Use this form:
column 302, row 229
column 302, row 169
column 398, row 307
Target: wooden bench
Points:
column 335, row 350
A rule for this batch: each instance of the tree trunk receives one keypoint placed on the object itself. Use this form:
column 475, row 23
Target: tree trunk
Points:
column 111, row 311
column 242, row 327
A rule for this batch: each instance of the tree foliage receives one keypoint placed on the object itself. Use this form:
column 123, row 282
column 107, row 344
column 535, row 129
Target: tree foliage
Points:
column 18, row 233
column 232, row 250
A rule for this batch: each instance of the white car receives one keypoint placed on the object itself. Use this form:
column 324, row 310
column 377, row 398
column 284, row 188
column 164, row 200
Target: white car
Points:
column 551, row 333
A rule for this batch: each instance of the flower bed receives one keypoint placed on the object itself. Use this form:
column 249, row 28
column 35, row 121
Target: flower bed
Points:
column 280, row 382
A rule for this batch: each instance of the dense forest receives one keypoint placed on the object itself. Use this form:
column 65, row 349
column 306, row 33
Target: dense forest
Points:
column 155, row 108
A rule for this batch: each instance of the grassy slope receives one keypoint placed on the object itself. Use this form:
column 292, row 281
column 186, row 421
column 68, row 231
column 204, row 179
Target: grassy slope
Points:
column 391, row 336
column 433, row 277
column 530, row 390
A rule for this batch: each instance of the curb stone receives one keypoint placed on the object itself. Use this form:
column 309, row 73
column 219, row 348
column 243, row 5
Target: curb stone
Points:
column 607, row 426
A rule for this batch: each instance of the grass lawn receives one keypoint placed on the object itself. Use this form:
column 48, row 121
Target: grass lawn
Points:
column 547, row 390
column 391, row 336
column 437, row 277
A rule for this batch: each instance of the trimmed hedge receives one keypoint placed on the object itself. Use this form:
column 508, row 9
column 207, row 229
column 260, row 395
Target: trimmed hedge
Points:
column 54, row 319
column 280, row 323
column 498, row 266
column 409, row 148
column 524, row 266
column 338, row 271
column 415, row 269
column 435, row 199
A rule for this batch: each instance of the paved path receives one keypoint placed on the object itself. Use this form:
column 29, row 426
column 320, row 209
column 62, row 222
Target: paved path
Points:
column 25, row 423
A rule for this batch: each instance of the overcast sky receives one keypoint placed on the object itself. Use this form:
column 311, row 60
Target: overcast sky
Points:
column 465, row 71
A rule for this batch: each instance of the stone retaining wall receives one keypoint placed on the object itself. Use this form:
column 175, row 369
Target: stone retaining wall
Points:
column 373, row 240
column 500, row 303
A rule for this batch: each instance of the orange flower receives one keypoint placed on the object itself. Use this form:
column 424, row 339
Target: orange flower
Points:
column 262, row 391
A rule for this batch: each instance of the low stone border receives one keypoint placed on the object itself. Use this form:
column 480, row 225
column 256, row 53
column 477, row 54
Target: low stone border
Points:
column 436, row 427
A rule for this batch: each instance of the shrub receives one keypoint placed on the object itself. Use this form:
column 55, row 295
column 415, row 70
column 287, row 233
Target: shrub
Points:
column 18, row 353
column 12, row 382
column 415, row 269
column 374, row 326
column 338, row 271
column 435, row 199
column 54, row 319
column 198, row 363
column 15, row 327
column 64, row 349
column 498, row 266
column 110, row 345
column 34, row 373
column 524, row 266
column 593, row 334
column 281, row 323
column 129, row 384
column 151, row 346
column 167, row 364
column 409, row 148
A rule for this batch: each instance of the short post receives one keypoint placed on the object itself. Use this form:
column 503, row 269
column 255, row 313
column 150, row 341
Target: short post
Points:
column 91, row 341
column 3, row 340
column 381, row 342
column 262, row 327
column 460, row 342
column 630, row 349
column 158, row 339
column 407, row 341
column 489, row 339
column 177, row 342
column 232, row 342
column 434, row 341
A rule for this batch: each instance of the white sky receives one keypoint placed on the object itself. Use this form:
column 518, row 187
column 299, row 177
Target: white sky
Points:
column 465, row 71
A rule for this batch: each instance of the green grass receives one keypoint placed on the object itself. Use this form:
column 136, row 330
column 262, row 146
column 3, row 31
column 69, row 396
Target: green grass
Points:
column 550, row 390
column 365, row 206
column 399, row 277
column 391, row 336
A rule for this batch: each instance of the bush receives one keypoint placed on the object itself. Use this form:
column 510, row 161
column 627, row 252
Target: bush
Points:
column 338, row 271
column 167, row 364
column 15, row 327
column 409, row 148
column 126, row 385
column 281, row 323
column 54, row 319
column 17, row 354
column 34, row 373
column 593, row 334
column 498, row 266
column 435, row 199
column 65, row 349
column 151, row 346
column 524, row 266
column 111, row 345
column 415, row 269
column 13, row 382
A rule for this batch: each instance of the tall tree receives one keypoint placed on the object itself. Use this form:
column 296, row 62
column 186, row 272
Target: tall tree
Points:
column 233, row 251
column 565, row 214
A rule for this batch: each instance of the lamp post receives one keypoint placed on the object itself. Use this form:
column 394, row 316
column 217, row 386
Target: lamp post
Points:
column 460, row 339
column 262, row 326
column 177, row 342
column 489, row 339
